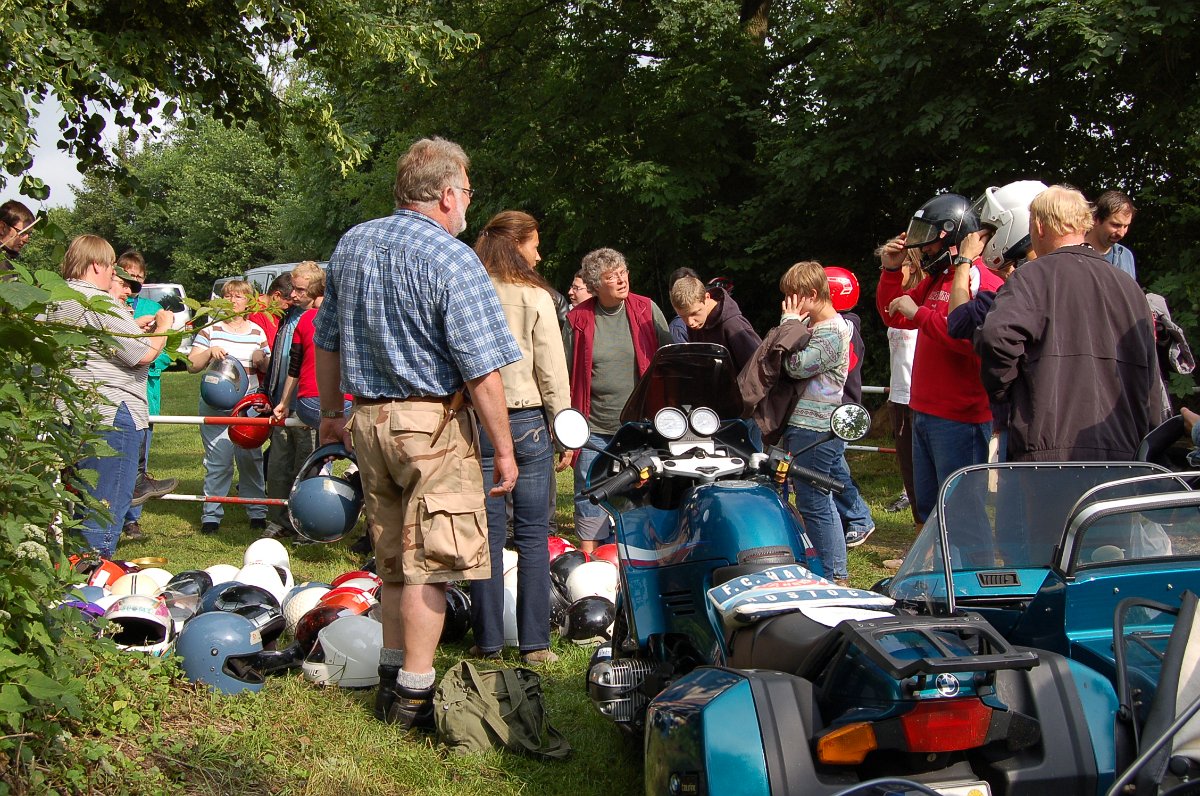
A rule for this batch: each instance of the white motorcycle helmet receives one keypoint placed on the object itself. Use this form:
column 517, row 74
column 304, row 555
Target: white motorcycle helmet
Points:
column 346, row 653
column 1006, row 210
column 593, row 579
column 264, row 576
column 160, row 575
column 140, row 624
column 267, row 551
column 222, row 573
column 135, row 583
column 299, row 601
column 510, row 617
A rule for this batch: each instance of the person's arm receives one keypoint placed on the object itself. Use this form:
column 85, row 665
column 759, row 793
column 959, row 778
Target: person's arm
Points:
column 284, row 407
column 203, row 352
column 1015, row 321
column 329, row 386
column 487, row 395
column 158, row 339
column 550, row 371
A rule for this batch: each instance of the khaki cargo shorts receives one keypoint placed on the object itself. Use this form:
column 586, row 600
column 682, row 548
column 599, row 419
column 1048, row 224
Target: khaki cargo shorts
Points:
column 425, row 504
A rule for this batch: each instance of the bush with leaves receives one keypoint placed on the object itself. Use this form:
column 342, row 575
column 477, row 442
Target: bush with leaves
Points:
column 57, row 680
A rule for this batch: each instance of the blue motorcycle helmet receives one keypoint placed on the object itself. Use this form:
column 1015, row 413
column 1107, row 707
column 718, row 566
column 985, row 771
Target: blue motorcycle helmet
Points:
column 324, row 507
column 225, row 383
column 220, row 650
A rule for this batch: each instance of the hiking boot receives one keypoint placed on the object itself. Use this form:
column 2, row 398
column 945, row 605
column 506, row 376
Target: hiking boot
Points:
column 856, row 536
column 132, row 532
column 412, row 709
column 148, row 487
column 258, row 524
column 363, row 546
column 479, row 654
column 210, row 527
column 276, row 531
column 535, row 657
column 899, row 504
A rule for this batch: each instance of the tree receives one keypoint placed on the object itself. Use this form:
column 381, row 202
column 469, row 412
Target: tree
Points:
column 218, row 57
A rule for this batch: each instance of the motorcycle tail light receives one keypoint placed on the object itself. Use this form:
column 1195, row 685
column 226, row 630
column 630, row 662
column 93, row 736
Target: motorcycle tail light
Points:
column 847, row 745
column 946, row 725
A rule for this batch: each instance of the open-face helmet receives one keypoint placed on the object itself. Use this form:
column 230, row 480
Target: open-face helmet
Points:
column 160, row 576
column 1005, row 210
column 346, row 653
column 458, row 615
column 251, row 437
column 134, row 583
column 324, row 507
column 267, row 551
column 593, row 578
column 225, row 382
column 945, row 219
column 222, row 651
column 139, row 623
column 843, row 287
column 590, row 621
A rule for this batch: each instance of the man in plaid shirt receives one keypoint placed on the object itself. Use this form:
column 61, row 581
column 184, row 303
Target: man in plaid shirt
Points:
column 409, row 318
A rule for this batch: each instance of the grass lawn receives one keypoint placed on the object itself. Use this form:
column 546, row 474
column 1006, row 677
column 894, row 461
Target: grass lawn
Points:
column 293, row 738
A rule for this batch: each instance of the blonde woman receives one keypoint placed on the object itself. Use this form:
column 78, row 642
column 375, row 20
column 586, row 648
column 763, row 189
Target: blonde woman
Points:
column 247, row 343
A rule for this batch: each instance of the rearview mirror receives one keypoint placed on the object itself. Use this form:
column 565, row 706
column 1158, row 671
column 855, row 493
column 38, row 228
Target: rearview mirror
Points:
column 850, row 422
column 571, row 429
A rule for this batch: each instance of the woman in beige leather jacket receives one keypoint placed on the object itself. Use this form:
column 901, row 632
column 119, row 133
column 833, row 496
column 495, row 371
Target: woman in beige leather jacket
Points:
column 536, row 388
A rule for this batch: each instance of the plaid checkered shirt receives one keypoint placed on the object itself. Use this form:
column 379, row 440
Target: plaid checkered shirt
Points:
column 411, row 310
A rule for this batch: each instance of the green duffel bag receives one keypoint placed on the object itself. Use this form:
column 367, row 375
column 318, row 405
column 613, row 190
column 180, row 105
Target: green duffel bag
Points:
column 476, row 710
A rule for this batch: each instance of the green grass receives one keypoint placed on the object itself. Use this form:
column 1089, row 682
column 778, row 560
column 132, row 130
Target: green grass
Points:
column 293, row 738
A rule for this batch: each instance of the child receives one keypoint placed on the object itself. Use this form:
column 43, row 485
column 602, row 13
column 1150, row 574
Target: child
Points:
column 823, row 364
column 679, row 329
column 712, row 316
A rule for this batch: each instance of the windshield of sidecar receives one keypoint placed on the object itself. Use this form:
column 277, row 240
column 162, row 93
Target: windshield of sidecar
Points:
column 1005, row 518
column 686, row 376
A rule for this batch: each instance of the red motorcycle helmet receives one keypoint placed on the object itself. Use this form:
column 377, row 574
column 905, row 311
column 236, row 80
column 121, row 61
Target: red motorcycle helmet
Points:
column 843, row 287
column 607, row 552
column 557, row 546
column 251, row 437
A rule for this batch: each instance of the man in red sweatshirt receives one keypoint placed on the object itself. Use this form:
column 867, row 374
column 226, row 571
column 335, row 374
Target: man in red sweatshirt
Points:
column 952, row 421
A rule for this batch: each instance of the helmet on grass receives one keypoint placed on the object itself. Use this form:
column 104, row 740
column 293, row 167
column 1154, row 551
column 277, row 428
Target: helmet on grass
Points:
column 221, row 650
column 590, row 621
column 346, row 653
column 138, row 623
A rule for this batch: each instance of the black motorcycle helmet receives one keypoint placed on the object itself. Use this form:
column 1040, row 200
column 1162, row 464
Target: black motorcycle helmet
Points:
column 946, row 218
column 234, row 598
column 562, row 567
column 590, row 620
column 192, row 581
column 458, row 615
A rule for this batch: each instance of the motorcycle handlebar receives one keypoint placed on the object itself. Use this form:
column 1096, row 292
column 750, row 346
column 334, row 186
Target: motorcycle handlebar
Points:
column 816, row 479
column 619, row 482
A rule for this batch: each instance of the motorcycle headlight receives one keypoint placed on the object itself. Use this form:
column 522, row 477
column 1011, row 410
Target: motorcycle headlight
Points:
column 670, row 423
column 705, row 421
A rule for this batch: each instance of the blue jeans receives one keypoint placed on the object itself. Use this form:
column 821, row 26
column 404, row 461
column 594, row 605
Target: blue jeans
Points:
column 134, row 513
column 591, row 521
column 309, row 412
column 115, row 478
column 816, row 507
column 531, row 527
column 854, row 512
column 220, row 454
column 940, row 447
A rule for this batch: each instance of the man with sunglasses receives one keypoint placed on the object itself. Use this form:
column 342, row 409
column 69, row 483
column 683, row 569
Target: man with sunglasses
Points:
column 16, row 222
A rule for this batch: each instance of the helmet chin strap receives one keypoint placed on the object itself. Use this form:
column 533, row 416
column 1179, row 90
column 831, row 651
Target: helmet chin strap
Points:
column 938, row 265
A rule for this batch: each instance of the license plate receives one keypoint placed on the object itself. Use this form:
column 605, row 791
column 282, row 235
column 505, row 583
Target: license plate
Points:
column 963, row 789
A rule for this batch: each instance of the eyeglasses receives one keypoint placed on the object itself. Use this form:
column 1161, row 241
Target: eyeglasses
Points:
column 470, row 192
column 616, row 275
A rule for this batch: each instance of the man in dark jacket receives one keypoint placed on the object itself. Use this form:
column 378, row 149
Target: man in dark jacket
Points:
column 1070, row 344
column 712, row 316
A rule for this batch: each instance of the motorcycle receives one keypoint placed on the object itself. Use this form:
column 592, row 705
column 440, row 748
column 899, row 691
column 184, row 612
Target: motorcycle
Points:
column 746, row 672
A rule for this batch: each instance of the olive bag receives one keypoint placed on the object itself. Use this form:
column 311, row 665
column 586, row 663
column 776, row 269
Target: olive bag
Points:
column 476, row 710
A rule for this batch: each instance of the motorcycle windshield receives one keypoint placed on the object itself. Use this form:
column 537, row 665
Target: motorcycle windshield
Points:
column 993, row 521
column 686, row 376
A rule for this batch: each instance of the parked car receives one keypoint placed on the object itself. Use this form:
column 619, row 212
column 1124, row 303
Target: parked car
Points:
column 170, row 296
column 261, row 277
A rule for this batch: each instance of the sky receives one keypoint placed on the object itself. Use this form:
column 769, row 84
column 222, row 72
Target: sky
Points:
column 50, row 163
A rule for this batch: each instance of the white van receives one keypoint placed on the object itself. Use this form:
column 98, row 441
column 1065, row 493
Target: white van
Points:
column 170, row 296
column 260, row 277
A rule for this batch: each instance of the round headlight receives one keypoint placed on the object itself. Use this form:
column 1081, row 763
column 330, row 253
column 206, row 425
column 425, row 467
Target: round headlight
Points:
column 670, row 423
column 705, row 421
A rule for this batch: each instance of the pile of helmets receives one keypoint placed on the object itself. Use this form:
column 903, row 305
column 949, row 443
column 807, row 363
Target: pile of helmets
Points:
column 583, row 592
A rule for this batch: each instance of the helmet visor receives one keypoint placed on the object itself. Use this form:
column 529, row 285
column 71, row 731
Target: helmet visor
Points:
column 921, row 232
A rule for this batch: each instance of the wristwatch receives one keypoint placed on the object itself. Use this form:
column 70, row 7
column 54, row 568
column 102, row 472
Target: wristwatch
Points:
column 331, row 413
column 960, row 260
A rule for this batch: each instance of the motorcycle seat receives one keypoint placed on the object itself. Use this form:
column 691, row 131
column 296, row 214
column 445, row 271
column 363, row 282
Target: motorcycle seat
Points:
column 781, row 643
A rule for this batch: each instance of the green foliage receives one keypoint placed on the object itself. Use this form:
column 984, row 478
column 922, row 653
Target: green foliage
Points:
column 201, row 55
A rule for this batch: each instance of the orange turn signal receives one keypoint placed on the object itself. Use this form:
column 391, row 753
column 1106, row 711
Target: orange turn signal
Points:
column 848, row 745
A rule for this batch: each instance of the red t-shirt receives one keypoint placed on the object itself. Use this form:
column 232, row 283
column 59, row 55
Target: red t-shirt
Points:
column 302, row 341
column 945, row 374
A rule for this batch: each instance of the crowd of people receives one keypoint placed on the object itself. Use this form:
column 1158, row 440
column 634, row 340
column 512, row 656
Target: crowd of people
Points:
column 441, row 365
